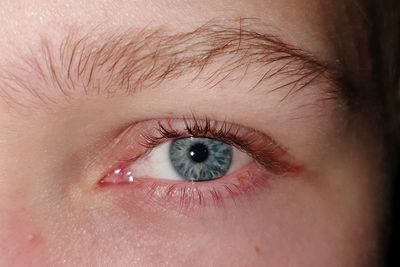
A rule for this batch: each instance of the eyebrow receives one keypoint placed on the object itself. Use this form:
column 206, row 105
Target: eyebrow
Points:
column 124, row 63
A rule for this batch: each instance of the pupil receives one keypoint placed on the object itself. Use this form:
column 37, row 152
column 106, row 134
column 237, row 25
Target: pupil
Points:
column 198, row 153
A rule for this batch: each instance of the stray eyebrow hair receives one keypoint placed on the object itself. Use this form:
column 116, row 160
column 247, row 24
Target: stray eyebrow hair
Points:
column 110, row 64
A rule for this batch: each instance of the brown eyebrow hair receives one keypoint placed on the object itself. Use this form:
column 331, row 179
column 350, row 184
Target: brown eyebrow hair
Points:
column 126, row 62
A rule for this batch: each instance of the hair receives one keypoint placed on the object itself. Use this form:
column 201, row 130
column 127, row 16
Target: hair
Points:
column 384, row 39
column 369, row 36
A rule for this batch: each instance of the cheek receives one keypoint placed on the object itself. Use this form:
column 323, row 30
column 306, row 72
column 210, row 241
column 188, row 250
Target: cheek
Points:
column 294, row 222
column 21, row 242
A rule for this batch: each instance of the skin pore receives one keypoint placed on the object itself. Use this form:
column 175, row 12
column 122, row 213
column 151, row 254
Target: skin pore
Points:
column 81, row 82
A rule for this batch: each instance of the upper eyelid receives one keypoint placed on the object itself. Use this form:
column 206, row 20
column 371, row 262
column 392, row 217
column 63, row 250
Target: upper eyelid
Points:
column 133, row 60
column 274, row 156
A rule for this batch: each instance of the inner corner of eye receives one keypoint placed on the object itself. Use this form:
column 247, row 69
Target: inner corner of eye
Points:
column 183, row 159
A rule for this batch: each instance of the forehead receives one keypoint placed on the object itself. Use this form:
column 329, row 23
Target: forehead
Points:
column 300, row 22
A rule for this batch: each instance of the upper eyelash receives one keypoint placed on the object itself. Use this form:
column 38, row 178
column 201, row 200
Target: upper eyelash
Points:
column 197, row 128
column 268, row 154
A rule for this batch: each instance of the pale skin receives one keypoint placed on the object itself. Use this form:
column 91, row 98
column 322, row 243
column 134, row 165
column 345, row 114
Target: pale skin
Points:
column 53, row 155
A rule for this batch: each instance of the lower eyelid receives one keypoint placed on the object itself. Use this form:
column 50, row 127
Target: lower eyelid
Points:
column 183, row 195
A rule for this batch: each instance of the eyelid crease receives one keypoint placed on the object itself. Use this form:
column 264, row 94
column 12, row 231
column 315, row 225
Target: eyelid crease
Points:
column 129, row 62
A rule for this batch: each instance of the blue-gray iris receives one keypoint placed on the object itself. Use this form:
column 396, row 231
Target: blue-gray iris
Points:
column 200, row 159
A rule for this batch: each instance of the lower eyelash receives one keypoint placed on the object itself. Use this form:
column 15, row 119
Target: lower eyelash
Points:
column 187, row 196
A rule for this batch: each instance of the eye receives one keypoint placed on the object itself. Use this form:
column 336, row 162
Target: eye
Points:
column 194, row 162
column 189, row 159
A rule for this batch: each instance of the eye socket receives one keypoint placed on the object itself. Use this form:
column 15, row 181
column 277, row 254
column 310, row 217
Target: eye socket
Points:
column 189, row 159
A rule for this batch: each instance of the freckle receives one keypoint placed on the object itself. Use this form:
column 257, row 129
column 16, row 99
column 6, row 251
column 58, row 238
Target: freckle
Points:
column 242, row 178
column 257, row 250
